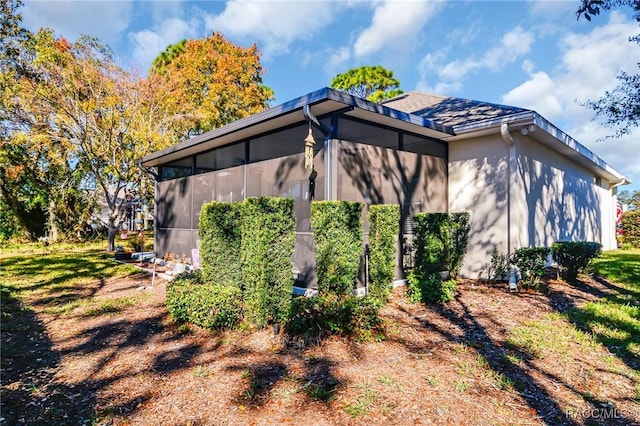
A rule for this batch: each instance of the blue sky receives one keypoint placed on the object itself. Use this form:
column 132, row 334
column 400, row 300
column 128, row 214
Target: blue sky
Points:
column 532, row 54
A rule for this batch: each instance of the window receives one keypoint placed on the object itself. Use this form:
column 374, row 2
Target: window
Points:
column 177, row 169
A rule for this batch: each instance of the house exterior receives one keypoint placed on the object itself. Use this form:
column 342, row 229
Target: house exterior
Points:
column 523, row 181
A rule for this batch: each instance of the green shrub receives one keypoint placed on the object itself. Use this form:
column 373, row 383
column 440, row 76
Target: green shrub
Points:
column 384, row 220
column 430, row 288
column 335, row 314
column 499, row 266
column 268, row 239
column 459, row 239
column 631, row 228
column 189, row 299
column 530, row 261
column 219, row 229
column 337, row 233
column 431, row 241
column 574, row 256
column 440, row 242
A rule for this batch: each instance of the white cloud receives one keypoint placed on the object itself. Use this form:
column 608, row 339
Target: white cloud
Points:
column 395, row 24
column 274, row 24
column 105, row 20
column 587, row 68
column 538, row 94
column 337, row 59
column 147, row 44
column 514, row 44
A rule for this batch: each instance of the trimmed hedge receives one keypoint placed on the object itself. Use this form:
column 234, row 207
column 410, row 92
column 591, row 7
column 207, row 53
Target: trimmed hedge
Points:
column 530, row 261
column 268, row 239
column 631, row 228
column 430, row 288
column 440, row 242
column 336, row 314
column 190, row 299
column 337, row 233
column 384, row 220
column 220, row 237
column 574, row 256
column 459, row 227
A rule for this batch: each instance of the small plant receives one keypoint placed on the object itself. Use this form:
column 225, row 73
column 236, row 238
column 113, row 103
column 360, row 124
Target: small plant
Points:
column 461, row 385
column 499, row 266
column 363, row 404
column 324, row 393
column 530, row 261
column 430, row 288
column 432, row 380
column 574, row 256
column 201, row 371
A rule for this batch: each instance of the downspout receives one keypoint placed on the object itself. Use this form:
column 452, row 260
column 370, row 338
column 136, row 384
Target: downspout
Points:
column 511, row 171
column 506, row 136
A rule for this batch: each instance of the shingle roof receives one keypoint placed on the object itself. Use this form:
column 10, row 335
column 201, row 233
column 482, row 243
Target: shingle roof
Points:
column 447, row 110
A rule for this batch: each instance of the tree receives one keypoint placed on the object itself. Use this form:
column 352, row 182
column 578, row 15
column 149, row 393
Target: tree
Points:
column 630, row 199
column 160, row 63
column 620, row 107
column 81, row 112
column 373, row 83
column 211, row 83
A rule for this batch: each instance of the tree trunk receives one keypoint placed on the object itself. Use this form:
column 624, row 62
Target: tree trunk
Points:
column 53, row 228
column 112, row 231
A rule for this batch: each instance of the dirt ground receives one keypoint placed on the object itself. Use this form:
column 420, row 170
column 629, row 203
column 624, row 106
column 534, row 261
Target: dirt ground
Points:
column 128, row 363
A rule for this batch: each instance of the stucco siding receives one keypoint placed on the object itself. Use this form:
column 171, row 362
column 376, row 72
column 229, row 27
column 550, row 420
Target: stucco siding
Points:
column 478, row 184
column 562, row 200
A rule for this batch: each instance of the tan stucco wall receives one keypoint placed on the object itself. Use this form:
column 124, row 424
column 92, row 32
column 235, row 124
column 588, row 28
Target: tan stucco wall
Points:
column 551, row 197
column 562, row 200
column 478, row 172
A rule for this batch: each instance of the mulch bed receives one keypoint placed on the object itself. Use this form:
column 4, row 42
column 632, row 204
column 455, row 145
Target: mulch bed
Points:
column 445, row 364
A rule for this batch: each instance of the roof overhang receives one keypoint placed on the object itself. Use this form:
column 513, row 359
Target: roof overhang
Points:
column 546, row 133
column 323, row 102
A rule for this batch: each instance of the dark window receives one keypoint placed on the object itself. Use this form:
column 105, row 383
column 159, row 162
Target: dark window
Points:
column 221, row 158
column 355, row 131
column 280, row 144
column 424, row 146
column 177, row 169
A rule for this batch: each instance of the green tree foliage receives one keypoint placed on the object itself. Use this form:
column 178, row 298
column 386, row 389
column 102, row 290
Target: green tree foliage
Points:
column 619, row 107
column 631, row 199
column 631, row 228
column 83, row 117
column 374, row 83
column 161, row 61
column 210, row 82
column 38, row 176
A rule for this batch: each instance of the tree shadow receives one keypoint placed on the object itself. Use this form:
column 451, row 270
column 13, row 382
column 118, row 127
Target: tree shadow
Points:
column 29, row 392
column 474, row 335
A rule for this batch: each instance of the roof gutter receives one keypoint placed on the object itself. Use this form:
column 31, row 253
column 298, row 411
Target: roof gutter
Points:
column 527, row 122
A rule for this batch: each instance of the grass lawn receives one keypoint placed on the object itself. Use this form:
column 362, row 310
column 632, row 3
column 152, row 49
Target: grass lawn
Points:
column 87, row 340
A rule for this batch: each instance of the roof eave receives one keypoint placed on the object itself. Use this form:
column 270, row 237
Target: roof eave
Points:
column 558, row 139
column 318, row 96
